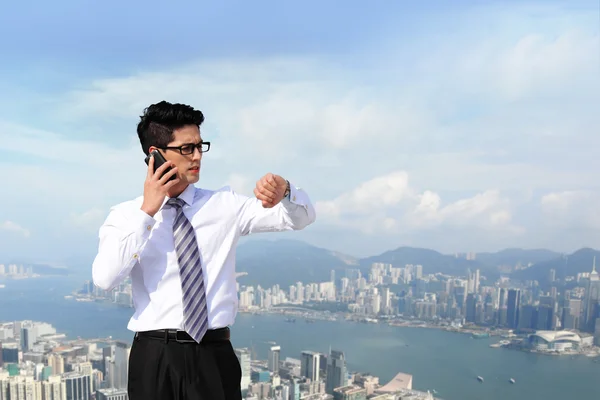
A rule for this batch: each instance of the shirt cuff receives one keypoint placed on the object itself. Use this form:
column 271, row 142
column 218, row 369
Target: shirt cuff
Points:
column 296, row 196
column 141, row 222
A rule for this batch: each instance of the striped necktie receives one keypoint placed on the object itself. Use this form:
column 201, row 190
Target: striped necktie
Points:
column 195, row 312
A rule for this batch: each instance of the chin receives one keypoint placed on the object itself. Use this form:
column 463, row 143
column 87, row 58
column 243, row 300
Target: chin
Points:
column 193, row 178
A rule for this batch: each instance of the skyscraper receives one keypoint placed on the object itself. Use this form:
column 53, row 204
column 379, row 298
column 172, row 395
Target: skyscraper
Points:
column 337, row 372
column 512, row 312
column 592, row 299
column 310, row 365
column 243, row 356
column 274, row 353
column 78, row 386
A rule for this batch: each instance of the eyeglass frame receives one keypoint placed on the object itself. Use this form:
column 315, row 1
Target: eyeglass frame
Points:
column 193, row 145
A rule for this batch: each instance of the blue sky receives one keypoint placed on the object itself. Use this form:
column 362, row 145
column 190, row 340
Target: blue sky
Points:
column 458, row 126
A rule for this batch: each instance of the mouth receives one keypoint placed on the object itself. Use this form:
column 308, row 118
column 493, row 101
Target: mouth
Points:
column 194, row 170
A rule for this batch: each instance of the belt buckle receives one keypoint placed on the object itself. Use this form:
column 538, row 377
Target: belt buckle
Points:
column 179, row 337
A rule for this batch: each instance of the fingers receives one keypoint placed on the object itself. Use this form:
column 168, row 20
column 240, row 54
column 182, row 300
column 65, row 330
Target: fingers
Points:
column 266, row 190
column 169, row 184
column 268, row 183
column 266, row 200
column 279, row 181
column 270, row 189
column 161, row 170
column 150, row 167
column 167, row 175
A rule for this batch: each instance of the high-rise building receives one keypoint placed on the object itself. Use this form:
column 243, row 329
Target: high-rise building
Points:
column 121, row 364
column 28, row 338
column 592, row 299
column 274, row 354
column 294, row 390
column 243, row 356
column 512, row 312
column 78, row 386
column 310, row 365
column 471, row 308
column 54, row 388
column 337, row 372
column 57, row 363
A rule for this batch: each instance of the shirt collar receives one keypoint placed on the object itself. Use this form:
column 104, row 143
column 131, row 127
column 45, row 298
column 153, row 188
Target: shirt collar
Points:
column 187, row 195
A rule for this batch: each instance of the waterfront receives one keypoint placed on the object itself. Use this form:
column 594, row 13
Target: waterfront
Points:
column 440, row 360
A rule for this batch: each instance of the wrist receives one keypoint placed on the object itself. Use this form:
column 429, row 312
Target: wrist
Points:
column 151, row 212
column 286, row 194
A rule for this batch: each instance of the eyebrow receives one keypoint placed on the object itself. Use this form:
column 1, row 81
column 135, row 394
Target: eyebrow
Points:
column 187, row 144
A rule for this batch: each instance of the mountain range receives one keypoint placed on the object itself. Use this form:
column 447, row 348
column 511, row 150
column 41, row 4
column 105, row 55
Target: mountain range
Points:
column 286, row 262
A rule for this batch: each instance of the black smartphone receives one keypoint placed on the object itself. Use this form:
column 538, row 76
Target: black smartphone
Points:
column 158, row 161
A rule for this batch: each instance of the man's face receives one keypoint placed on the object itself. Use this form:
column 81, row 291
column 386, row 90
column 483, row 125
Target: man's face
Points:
column 188, row 165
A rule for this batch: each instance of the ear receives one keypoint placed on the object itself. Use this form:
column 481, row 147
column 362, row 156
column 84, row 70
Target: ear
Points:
column 151, row 149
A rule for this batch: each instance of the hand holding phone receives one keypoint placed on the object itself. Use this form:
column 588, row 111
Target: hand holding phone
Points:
column 161, row 176
column 159, row 160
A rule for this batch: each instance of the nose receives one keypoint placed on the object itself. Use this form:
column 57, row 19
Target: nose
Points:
column 197, row 154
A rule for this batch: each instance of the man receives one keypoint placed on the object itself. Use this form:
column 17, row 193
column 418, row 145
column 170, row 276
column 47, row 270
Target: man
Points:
column 177, row 242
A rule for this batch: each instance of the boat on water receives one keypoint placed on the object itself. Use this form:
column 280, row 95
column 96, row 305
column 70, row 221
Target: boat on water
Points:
column 511, row 380
column 480, row 379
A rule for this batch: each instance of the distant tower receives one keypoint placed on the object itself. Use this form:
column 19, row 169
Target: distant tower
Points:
column 592, row 299
column 513, row 304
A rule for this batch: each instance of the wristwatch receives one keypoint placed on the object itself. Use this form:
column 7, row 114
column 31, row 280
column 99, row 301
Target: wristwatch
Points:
column 287, row 190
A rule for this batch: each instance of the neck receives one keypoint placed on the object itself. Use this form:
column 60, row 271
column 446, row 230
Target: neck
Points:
column 177, row 190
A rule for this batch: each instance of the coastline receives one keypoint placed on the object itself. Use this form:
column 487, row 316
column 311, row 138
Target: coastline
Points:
column 512, row 342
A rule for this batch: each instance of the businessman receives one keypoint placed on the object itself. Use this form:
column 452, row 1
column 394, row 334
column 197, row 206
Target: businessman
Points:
column 177, row 242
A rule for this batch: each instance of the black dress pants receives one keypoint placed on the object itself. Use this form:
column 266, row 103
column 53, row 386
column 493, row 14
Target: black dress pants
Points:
column 173, row 370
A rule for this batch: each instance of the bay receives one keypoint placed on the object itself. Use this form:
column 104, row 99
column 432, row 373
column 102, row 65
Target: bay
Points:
column 444, row 361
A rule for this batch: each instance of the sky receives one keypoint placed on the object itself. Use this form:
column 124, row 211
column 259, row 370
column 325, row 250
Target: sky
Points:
column 457, row 126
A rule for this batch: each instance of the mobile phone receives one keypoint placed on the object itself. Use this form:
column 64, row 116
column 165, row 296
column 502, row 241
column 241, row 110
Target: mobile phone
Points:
column 159, row 160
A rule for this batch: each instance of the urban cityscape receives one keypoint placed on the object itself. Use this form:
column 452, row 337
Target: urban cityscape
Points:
column 39, row 363
column 15, row 271
column 553, row 322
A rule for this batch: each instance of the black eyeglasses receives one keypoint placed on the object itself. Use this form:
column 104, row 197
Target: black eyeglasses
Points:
column 187, row 149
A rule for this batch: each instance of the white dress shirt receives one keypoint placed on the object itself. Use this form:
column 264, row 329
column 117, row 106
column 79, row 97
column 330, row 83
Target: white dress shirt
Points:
column 133, row 243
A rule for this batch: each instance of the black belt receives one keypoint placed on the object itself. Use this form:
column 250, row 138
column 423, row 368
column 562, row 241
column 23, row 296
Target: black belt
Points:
column 212, row 335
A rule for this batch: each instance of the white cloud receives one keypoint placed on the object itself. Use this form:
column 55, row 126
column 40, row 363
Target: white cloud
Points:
column 240, row 184
column 480, row 119
column 14, row 228
column 569, row 209
column 388, row 204
column 88, row 221
column 375, row 194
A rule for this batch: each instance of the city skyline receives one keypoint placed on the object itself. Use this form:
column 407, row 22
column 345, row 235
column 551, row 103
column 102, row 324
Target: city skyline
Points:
column 39, row 363
column 468, row 127
column 435, row 302
column 394, row 294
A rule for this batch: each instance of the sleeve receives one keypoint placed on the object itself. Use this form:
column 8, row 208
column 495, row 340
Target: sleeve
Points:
column 294, row 212
column 122, row 238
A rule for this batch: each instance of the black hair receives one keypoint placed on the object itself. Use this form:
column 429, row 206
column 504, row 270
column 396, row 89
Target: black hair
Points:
column 159, row 120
